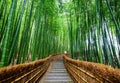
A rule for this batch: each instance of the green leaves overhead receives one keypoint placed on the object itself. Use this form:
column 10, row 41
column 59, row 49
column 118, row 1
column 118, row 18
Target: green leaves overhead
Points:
column 90, row 24
column 33, row 29
column 30, row 30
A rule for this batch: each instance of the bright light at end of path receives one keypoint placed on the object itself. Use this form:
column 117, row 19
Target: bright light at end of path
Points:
column 65, row 52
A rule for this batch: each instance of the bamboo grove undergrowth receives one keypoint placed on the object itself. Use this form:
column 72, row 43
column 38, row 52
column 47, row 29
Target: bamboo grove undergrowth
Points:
column 34, row 29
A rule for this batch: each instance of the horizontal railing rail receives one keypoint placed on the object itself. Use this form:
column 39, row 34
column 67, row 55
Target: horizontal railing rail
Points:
column 24, row 73
column 89, row 72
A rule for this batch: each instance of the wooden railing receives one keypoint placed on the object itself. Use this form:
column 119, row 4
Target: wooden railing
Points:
column 80, row 71
column 89, row 72
column 24, row 73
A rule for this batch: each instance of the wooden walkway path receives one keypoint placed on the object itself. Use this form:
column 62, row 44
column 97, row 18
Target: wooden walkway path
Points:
column 52, row 70
column 56, row 73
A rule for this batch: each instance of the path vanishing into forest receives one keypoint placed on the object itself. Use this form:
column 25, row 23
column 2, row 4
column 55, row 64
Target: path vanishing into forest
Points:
column 59, row 68
column 57, row 73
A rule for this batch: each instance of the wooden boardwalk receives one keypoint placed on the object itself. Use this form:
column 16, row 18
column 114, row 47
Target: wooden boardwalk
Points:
column 56, row 73
column 52, row 70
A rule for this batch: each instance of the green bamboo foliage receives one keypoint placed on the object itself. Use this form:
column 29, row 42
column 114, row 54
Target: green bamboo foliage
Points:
column 4, row 60
column 94, row 33
column 16, row 35
column 34, row 29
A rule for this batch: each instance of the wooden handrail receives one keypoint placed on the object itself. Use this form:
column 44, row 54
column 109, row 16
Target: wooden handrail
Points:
column 24, row 72
column 96, row 72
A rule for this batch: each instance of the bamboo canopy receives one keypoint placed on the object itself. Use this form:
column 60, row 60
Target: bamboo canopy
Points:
column 33, row 29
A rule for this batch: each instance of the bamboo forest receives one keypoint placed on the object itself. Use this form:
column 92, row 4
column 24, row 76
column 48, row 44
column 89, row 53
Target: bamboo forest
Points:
column 88, row 30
